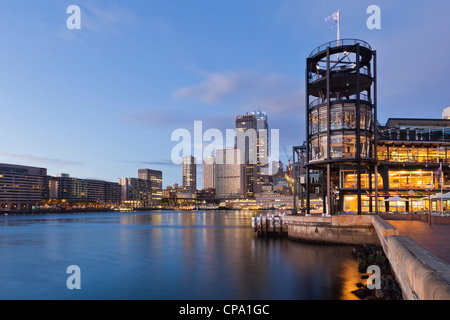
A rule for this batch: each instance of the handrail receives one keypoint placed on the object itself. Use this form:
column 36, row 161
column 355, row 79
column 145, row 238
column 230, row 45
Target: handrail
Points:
column 313, row 77
column 339, row 43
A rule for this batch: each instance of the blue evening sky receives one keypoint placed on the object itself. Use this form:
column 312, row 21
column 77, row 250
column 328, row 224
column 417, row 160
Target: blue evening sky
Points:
column 103, row 101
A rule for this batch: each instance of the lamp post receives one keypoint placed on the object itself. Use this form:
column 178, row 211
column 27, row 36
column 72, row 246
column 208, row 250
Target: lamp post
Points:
column 411, row 194
column 429, row 187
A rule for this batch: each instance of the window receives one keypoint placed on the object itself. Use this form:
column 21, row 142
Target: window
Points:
column 349, row 145
column 349, row 117
column 336, row 117
column 337, row 146
column 323, row 120
column 314, row 123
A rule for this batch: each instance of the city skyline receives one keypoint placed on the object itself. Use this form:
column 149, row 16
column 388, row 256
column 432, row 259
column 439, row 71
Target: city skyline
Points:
column 102, row 102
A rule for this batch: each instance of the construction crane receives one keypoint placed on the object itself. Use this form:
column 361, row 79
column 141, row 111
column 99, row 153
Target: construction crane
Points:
column 287, row 155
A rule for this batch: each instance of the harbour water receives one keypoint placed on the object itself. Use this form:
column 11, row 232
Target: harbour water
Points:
column 165, row 255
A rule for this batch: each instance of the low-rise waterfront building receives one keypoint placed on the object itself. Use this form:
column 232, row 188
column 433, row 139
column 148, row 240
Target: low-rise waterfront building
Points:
column 71, row 189
column 22, row 187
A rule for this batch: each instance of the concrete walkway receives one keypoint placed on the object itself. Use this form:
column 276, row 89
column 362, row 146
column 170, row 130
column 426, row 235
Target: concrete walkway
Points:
column 434, row 238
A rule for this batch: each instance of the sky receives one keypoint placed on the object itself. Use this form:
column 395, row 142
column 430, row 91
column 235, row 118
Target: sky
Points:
column 103, row 101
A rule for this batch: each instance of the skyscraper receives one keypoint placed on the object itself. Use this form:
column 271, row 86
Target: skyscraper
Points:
column 230, row 178
column 262, row 150
column 253, row 141
column 209, row 173
column 155, row 177
column 189, row 172
column 246, row 142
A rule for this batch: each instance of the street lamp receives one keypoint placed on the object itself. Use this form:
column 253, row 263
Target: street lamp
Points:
column 411, row 194
column 429, row 187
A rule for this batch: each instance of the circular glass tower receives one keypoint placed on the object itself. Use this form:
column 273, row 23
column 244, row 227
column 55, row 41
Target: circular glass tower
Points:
column 341, row 124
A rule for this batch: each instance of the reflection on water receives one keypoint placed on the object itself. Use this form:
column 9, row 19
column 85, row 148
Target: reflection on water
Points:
column 165, row 255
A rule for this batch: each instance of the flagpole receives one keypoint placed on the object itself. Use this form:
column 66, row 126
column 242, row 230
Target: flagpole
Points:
column 339, row 27
column 442, row 187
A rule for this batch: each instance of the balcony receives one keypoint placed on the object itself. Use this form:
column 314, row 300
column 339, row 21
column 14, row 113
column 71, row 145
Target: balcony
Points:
column 340, row 43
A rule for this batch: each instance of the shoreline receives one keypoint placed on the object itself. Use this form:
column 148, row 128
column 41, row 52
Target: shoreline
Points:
column 370, row 254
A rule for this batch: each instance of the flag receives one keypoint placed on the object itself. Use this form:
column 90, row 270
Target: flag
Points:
column 438, row 172
column 333, row 19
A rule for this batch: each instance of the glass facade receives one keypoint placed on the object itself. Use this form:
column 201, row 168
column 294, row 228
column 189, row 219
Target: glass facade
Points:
column 343, row 133
column 401, row 154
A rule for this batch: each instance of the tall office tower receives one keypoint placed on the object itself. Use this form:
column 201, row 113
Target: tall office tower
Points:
column 230, row 174
column 209, row 173
column 246, row 142
column 262, row 152
column 189, row 172
column 155, row 177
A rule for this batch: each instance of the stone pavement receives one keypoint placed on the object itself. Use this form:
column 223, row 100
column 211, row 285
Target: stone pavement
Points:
column 434, row 238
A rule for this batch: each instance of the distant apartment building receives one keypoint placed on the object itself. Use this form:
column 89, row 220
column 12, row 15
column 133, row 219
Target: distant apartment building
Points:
column 22, row 187
column 209, row 173
column 136, row 193
column 230, row 174
column 144, row 191
column 71, row 189
column 189, row 174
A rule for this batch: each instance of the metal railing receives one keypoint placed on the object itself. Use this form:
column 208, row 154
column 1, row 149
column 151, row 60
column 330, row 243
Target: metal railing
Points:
column 340, row 43
column 319, row 101
column 313, row 77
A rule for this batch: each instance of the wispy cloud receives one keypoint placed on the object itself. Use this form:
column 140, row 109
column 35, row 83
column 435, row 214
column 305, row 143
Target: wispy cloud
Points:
column 107, row 18
column 168, row 163
column 155, row 117
column 41, row 160
column 272, row 92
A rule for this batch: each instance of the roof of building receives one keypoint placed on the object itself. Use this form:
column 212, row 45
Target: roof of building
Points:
column 416, row 123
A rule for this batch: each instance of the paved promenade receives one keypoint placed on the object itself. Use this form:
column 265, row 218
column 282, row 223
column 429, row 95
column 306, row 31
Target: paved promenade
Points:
column 434, row 238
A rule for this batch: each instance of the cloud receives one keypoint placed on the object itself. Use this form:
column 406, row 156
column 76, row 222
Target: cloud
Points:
column 106, row 18
column 36, row 159
column 168, row 163
column 160, row 117
column 271, row 92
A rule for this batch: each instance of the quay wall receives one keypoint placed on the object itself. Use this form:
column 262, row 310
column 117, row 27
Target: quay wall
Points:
column 352, row 230
column 420, row 274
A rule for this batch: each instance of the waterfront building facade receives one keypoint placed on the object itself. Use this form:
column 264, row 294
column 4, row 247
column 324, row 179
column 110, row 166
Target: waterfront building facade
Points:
column 413, row 154
column 362, row 164
column 341, row 122
column 22, row 187
column 71, row 189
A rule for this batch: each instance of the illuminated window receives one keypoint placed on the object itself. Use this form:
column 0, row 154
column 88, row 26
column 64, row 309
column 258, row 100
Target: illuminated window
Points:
column 410, row 179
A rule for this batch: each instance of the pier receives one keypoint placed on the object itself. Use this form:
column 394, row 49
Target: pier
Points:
column 270, row 226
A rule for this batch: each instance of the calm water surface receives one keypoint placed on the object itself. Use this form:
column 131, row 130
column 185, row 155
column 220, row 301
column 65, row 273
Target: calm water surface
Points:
column 198, row 255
